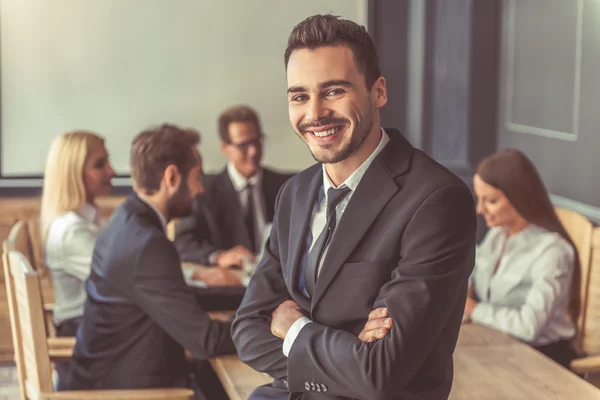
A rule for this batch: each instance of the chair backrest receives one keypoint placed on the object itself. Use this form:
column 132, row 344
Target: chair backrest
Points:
column 8, row 246
column 29, row 326
column 580, row 230
column 37, row 260
column 590, row 338
column 7, row 351
column 23, row 237
column 20, row 238
column 35, row 238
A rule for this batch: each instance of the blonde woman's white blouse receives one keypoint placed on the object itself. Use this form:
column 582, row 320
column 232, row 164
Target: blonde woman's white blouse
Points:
column 69, row 249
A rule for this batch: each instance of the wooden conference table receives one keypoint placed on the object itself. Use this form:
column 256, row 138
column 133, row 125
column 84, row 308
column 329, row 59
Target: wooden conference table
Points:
column 488, row 365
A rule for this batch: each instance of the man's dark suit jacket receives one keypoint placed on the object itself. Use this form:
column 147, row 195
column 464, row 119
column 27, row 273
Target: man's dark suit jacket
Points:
column 218, row 220
column 139, row 314
column 406, row 241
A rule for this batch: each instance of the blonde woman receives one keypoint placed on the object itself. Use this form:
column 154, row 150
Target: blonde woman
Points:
column 77, row 171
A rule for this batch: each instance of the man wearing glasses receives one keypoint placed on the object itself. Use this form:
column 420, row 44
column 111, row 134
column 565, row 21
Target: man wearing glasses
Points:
column 238, row 203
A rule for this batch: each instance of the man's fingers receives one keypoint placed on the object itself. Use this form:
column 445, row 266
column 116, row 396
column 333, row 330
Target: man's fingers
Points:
column 370, row 336
column 244, row 252
column 289, row 303
column 378, row 313
column 378, row 323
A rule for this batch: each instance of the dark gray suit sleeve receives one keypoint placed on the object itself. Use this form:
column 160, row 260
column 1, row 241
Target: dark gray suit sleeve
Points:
column 251, row 329
column 192, row 240
column 160, row 290
column 426, row 293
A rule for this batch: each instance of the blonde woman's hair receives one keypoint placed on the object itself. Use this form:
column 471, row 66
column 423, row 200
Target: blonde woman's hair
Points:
column 64, row 189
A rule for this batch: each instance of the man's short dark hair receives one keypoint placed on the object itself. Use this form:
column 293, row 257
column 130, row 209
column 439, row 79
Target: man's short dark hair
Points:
column 154, row 149
column 330, row 30
column 238, row 113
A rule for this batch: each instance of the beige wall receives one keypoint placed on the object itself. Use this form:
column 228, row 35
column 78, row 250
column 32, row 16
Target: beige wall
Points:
column 117, row 66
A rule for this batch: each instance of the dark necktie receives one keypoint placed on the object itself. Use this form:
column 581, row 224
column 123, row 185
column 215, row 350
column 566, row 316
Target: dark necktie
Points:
column 250, row 217
column 334, row 197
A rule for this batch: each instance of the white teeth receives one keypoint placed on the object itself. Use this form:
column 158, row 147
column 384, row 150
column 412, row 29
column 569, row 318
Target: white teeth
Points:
column 326, row 133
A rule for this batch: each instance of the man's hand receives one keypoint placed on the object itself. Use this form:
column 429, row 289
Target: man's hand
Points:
column 216, row 277
column 284, row 317
column 377, row 326
column 471, row 292
column 234, row 257
column 470, row 306
column 189, row 356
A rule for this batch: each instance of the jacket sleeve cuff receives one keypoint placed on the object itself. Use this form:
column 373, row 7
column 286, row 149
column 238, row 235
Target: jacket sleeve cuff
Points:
column 293, row 334
column 212, row 259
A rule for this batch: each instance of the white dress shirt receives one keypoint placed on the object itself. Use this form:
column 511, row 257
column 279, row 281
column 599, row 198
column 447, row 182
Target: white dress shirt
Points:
column 319, row 220
column 240, row 184
column 69, row 249
column 529, row 295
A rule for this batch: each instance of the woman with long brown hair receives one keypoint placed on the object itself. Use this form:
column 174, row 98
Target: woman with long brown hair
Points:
column 525, row 281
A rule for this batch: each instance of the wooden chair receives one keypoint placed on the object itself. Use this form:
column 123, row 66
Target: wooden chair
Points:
column 580, row 230
column 6, row 344
column 19, row 236
column 33, row 361
column 38, row 263
column 58, row 348
column 24, row 237
column 590, row 336
column 14, row 319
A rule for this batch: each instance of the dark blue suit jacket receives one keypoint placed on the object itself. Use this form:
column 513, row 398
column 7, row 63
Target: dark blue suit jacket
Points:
column 140, row 315
column 406, row 241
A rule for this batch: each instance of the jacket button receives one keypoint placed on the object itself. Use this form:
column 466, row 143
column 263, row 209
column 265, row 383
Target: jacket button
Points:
column 285, row 383
column 312, row 386
column 306, row 386
column 323, row 388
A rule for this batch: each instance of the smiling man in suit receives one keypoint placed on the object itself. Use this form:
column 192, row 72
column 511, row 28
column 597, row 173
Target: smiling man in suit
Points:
column 375, row 223
column 238, row 203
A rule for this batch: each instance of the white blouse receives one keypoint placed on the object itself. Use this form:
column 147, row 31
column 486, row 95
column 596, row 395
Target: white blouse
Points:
column 529, row 295
column 69, row 250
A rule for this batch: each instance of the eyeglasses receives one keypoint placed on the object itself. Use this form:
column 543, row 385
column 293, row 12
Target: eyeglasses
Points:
column 243, row 147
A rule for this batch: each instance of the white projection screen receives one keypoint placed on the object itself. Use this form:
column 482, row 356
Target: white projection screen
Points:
column 118, row 66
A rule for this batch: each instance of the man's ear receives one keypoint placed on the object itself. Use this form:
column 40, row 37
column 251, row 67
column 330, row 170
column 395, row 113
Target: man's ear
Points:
column 172, row 178
column 224, row 148
column 379, row 92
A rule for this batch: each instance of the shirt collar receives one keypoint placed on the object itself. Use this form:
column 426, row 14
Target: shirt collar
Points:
column 527, row 234
column 353, row 180
column 239, row 181
column 161, row 217
column 89, row 212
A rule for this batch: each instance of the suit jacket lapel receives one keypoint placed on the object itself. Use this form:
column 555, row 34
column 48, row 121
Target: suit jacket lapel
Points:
column 374, row 191
column 299, row 224
column 269, row 193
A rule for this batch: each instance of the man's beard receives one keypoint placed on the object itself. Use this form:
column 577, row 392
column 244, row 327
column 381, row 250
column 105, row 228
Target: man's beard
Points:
column 181, row 204
column 356, row 140
column 357, row 137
